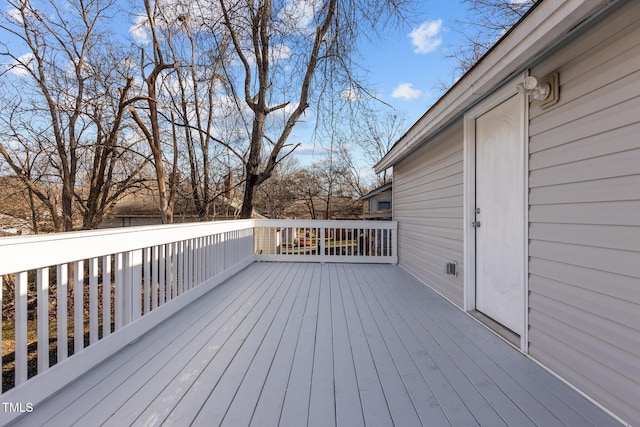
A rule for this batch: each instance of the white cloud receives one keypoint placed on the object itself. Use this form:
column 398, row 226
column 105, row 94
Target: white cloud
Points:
column 21, row 67
column 299, row 14
column 406, row 91
column 351, row 94
column 280, row 52
column 306, row 149
column 140, row 30
column 15, row 15
column 425, row 37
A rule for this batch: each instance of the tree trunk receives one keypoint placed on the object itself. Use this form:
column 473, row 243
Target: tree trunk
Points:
column 247, row 200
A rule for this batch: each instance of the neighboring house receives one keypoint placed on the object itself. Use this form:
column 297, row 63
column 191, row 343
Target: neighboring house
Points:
column 316, row 208
column 531, row 203
column 377, row 204
column 12, row 226
column 141, row 208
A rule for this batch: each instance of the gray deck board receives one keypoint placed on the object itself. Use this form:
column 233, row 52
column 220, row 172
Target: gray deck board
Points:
column 319, row 344
column 347, row 397
column 403, row 412
column 295, row 410
column 374, row 403
column 321, row 403
column 272, row 394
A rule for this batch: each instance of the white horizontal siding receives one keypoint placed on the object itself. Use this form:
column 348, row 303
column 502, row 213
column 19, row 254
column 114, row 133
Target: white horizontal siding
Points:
column 584, row 214
column 428, row 198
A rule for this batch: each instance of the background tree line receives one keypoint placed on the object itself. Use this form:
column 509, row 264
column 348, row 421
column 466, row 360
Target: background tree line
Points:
column 197, row 91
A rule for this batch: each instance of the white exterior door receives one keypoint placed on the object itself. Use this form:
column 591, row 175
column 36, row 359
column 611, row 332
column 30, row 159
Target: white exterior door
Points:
column 499, row 216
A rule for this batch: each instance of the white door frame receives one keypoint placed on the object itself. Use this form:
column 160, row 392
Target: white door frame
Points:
column 503, row 94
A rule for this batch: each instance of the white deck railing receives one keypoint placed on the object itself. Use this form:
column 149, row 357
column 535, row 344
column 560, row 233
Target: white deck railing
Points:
column 109, row 287
column 326, row 241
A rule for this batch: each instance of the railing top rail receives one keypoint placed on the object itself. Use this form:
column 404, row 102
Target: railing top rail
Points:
column 24, row 253
column 29, row 252
column 326, row 223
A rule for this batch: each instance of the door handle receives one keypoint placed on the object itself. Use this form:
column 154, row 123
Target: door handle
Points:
column 475, row 224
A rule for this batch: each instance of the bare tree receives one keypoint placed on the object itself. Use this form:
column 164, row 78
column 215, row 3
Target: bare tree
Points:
column 196, row 100
column 312, row 36
column 376, row 133
column 62, row 117
column 276, row 196
column 488, row 21
column 152, row 67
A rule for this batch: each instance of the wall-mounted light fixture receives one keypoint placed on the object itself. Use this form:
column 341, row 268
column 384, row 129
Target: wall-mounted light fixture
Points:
column 531, row 87
column 546, row 90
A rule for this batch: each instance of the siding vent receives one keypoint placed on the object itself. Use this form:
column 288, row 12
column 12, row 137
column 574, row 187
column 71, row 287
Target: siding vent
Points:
column 452, row 269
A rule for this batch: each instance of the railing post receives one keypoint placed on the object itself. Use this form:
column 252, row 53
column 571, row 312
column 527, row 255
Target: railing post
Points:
column 394, row 242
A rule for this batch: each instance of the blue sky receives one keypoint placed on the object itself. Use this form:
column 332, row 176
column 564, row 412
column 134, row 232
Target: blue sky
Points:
column 408, row 67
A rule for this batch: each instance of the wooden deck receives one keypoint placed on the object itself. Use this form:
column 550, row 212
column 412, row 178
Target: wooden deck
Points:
column 320, row 345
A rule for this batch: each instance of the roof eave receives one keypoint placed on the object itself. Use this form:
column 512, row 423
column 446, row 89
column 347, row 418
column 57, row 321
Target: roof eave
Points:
column 545, row 26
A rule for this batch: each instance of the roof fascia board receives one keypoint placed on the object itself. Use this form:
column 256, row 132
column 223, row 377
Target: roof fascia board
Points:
column 550, row 22
column 376, row 191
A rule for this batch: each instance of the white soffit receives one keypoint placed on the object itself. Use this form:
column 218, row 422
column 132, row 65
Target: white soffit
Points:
column 547, row 24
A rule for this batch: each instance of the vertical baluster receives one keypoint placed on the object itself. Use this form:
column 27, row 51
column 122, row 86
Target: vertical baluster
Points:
column 204, row 258
column 192, row 263
column 154, row 278
column 354, row 242
column 214, row 254
column 126, row 288
column 175, row 276
column 106, row 295
column 197, row 266
column 371, row 240
column 333, row 241
column 197, row 271
column 119, row 291
column 186, row 255
column 134, row 294
column 164, row 273
column 1, row 318
column 21, row 354
column 146, row 293
column 93, row 300
column 382, row 243
column 167, row 269
column 196, row 263
column 182, row 268
column 202, row 250
column 219, row 252
column 386, row 242
column 78, row 306
column 211, row 256
column 62, row 272
column 43, row 318
column 336, row 241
